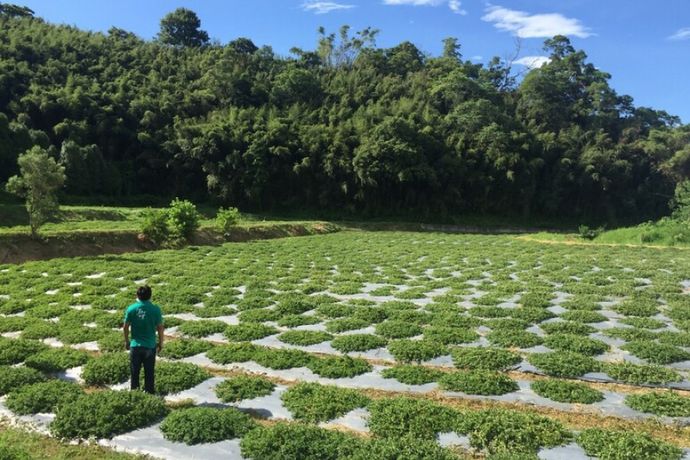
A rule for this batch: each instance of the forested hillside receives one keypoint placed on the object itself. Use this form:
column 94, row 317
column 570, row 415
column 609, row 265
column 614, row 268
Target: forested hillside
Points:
column 345, row 125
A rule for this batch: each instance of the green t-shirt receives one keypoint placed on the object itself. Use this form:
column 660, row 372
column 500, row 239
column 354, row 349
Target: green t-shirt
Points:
column 144, row 317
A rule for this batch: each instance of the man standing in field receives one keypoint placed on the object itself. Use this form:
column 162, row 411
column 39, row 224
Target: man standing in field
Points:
column 145, row 319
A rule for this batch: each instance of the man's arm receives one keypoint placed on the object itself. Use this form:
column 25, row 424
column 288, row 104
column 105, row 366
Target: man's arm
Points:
column 125, row 329
column 161, row 331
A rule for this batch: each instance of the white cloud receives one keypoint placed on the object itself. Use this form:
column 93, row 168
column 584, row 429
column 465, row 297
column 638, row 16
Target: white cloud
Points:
column 477, row 58
column 454, row 5
column 532, row 62
column 324, row 7
column 681, row 34
column 524, row 25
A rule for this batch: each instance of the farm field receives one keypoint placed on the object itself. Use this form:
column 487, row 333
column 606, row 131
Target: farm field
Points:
column 361, row 345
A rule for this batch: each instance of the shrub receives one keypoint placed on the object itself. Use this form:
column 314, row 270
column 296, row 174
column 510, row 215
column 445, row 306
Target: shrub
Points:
column 450, row 335
column 485, row 358
column 249, row 331
column 13, row 351
column 514, row 338
column 625, row 445
column 588, row 233
column 335, row 367
column 107, row 369
column 42, row 396
column 226, row 218
column 567, row 327
column 176, row 377
column 564, row 363
column 232, row 353
column 657, row 353
column 57, row 359
column 567, row 392
column 104, row 414
column 668, row 403
column 638, row 374
column 304, row 338
column 478, row 382
column 282, row 359
column 242, row 387
column 576, row 343
column 500, row 430
column 392, row 329
column 155, row 226
column 402, row 417
column 202, row 328
column 183, row 348
column 412, row 375
column 194, row 425
column 358, row 342
column 293, row 441
column 12, row 378
column 408, row 351
column 183, row 219
column 312, row 402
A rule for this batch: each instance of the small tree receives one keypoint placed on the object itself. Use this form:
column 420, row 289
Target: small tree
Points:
column 40, row 176
column 681, row 201
column 183, row 219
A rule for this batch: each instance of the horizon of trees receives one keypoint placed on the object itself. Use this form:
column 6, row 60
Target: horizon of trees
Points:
column 347, row 125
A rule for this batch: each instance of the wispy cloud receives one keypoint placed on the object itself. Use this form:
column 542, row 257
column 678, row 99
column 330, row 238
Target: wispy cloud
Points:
column 454, row 5
column 681, row 34
column 525, row 25
column 532, row 62
column 324, row 7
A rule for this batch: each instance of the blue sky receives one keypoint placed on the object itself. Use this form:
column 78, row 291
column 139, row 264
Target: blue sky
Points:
column 644, row 44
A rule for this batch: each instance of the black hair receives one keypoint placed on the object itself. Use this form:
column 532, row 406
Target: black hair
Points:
column 144, row 293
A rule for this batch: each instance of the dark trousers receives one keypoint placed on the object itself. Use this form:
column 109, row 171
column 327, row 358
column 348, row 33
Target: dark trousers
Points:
column 139, row 356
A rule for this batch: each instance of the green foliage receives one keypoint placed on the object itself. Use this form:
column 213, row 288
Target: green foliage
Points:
column 412, row 375
column 588, row 233
column 232, row 353
column 576, row 343
column 625, row 445
column 183, row 219
column 202, row 328
column 227, row 218
column 497, row 359
column 334, row 367
column 195, row 425
column 402, row 417
column 242, row 387
column 392, row 329
column 567, row 327
column 183, row 348
column 583, row 316
column 313, row 403
column 514, row 338
column 57, row 359
column 357, row 342
column 13, row 351
column 248, row 332
column 450, row 335
column 104, row 414
column 478, row 382
column 155, row 226
column 304, row 338
column 567, row 392
column 668, row 403
column 107, row 369
column 42, row 397
column 39, row 179
column 182, row 28
column 407, row 351
column 564, row 363
column 637, row 374
column 15, row 377
column 175, row 377
column 657, row 353
column 281, row 358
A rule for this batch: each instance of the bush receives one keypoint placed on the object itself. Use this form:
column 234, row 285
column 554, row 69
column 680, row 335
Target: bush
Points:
column 232, row 353
column 587, row 233
column 514, row 338
column 407, row 351
column 295, row 441
column 247, row 332
column 12, row 378
column 412, row 375
column 358, row 342
column 155, row 226
column 668, row 403
column 478, row 382
column 625, row 445
column 57, row 359
column 227, row 218
column 195, row 425
column 335, row 367
column 576, row 343
column 176, row 377
column 402, row 417
column 564, row 363
column 314, row 403
column 107, row 369
column 657, row 353
column 183, row 219
column 202, row 328
column 242, row 387
column 104, row 414
column 183, row 348
column 497, row 359
column 42, row 396
column 567, row 392
column 392, row 329
column 304, row 338
column 282, row 359
column 14, row 351
column 640, row 374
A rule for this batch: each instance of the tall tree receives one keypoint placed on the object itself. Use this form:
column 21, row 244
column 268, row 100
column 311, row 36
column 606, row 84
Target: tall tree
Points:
column 182, row 28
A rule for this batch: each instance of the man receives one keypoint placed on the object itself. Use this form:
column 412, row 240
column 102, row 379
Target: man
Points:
column 145, row 320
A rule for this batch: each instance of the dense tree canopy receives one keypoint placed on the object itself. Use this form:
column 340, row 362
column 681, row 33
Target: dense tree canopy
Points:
column 346, row 125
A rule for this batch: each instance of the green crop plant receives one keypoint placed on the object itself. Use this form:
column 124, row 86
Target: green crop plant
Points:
column 489, row 358
column 312, row 402
column 195, row 425
column 478, row 382
column 567, row 392
column 42, row 396
column 412, row 375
